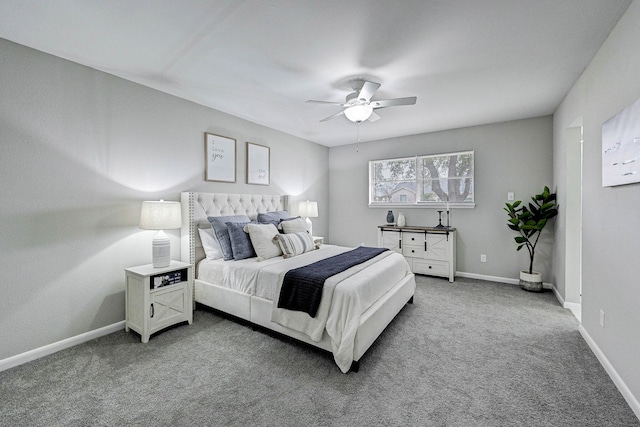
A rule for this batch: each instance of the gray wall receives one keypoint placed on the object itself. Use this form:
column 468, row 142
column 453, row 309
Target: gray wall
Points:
column 80, row 150
column 610, row 215
column 514, row 156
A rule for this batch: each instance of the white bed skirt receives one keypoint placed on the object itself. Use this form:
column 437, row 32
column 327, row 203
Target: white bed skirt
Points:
column 258, row 311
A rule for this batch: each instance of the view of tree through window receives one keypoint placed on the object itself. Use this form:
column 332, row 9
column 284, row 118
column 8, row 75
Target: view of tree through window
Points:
column 422, row 180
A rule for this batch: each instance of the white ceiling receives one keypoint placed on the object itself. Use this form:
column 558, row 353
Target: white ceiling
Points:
column 469, row 62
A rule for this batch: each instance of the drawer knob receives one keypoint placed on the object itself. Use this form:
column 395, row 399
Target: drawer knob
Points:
column 429, row 267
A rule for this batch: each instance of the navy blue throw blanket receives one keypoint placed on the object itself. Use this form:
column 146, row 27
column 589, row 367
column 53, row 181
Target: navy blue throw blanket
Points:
column 302, row 287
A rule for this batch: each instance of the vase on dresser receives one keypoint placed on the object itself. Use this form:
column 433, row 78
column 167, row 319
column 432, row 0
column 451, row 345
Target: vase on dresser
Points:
column 390, row 217
column 401, row 220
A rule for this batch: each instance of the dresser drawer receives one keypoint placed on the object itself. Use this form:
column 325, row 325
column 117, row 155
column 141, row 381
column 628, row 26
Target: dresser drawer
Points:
column 409, row 239
column 438, row 268
column 413, row 251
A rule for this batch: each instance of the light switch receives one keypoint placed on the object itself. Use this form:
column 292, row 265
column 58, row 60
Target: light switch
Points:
column 510, row 196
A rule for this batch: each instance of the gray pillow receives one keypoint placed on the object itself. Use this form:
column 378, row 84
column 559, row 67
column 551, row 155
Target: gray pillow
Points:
column 272, row 217
column 220, row 230
column 240, row 241
column 294, row 225
column 262, row 239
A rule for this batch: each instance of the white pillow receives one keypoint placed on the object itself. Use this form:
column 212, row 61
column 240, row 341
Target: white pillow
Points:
column 261, row 236
column 293, row 244
column 294, row 226
column 210, row 243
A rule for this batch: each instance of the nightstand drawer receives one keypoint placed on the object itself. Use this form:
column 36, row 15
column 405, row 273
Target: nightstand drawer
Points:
column 438, row 268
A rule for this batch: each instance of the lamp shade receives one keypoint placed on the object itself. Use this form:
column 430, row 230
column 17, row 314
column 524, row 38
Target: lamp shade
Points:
column 308, row 209
column 358, row 113
column 160, row 215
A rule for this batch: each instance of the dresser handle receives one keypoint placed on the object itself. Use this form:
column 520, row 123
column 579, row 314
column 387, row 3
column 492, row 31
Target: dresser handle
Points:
column 153, row 311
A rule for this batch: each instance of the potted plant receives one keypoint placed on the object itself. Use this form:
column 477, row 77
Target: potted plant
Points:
column 529, row 221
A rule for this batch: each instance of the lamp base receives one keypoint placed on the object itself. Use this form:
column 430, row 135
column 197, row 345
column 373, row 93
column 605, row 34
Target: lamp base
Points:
column 161, row 250
column 309, row 226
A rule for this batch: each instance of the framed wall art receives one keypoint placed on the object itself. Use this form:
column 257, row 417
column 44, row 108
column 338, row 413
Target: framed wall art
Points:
column 258, row 163
column 621, row 147
column 220, row 155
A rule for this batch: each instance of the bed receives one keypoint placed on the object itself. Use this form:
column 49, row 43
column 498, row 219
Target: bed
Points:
column 354, row 310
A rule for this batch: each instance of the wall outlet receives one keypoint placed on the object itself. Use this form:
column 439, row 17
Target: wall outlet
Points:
column 483, row 258
column 602, row 318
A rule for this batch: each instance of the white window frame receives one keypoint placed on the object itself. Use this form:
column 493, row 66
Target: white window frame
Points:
column 414, row 182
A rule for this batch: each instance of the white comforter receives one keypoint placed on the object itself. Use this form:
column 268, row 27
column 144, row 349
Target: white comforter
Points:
column 345, row 296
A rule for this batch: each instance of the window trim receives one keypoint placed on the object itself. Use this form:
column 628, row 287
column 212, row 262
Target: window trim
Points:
column 421, row 204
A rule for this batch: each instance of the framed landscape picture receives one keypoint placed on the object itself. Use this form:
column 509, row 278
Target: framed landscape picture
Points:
column 220, row 155
column 258, row 164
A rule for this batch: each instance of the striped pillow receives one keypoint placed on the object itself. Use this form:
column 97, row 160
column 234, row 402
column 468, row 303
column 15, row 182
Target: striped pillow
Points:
column 295, row 243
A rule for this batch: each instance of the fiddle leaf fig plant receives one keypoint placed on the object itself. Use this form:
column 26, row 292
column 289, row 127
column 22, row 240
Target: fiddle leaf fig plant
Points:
column 529, row 220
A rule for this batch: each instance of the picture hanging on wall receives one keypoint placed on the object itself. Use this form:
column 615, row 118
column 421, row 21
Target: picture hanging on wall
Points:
column 220, row 154
column 621, row 147
column 258, row 159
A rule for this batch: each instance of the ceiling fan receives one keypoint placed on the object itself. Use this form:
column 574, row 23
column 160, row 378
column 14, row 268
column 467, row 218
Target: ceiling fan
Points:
column 359, row 106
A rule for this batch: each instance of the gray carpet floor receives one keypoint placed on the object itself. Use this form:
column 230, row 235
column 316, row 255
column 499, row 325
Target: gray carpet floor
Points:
column 471, row 353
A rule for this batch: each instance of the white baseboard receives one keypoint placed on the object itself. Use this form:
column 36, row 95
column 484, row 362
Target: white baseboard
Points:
column 617, row 380
column 46, row 350
column 497, row 279
column 575, row 308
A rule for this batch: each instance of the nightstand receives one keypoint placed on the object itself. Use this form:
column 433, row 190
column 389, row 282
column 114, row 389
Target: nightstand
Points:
column 156, row 298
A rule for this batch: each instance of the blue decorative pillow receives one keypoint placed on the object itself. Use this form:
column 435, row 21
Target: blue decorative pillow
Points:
column 240, row 241
column 220, row 230
column 272, row 217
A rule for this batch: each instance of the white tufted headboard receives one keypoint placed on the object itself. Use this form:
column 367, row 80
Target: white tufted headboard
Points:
column 196, row 207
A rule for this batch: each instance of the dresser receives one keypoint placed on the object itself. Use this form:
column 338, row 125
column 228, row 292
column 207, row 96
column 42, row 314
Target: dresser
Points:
column 428, row 250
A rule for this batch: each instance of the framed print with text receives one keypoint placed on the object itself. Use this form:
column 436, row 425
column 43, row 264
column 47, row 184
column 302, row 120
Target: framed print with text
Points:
column 258, row 163
column 220, row 154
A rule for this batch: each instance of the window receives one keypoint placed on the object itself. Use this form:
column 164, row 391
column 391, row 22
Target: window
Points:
column 434, row 180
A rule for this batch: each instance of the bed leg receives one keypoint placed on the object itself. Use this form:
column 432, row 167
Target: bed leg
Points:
column 410, row 301
column 355, row 366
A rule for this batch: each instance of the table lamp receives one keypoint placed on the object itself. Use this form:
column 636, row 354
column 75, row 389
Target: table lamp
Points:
column 160, row 215
column 308, row 210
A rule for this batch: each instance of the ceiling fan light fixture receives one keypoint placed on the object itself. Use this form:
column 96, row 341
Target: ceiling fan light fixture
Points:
column 358, row 113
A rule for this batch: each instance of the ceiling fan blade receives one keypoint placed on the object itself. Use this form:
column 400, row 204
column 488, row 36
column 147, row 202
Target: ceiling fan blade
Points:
column 332, row 116
column 367, row 91
column 374, row 117
column 383, row 103
column 313, row 101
